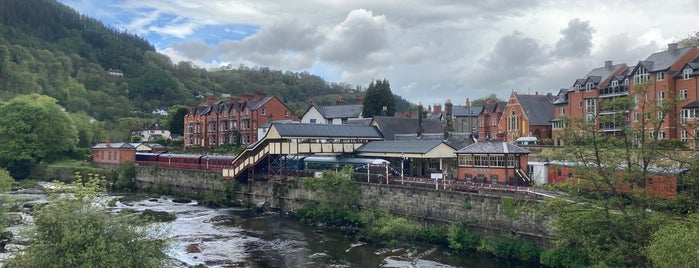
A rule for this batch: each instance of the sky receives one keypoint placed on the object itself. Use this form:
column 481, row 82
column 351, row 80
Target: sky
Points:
column 429, row 51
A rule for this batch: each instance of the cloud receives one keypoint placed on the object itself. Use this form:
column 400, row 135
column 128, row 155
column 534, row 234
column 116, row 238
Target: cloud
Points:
column 576, row 40
column 515, row 58
column 357, row 41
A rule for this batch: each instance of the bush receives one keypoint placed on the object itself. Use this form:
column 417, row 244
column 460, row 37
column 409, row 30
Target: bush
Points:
column 563, row 257
column 460, row 239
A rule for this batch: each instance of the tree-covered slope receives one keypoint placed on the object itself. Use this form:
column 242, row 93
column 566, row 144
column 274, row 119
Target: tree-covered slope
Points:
column 49, row 48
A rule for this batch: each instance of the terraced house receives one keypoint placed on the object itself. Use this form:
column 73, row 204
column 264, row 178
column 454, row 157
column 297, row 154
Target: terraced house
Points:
column 670, row 74
column 214, row 123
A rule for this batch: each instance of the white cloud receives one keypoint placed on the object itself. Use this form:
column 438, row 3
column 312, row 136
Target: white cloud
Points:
column 428, row 50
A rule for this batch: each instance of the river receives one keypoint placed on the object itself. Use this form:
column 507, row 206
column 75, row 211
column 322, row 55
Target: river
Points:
column 234, row 237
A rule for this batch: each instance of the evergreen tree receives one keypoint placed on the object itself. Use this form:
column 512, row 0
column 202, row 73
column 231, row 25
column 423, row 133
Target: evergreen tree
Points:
column 378, row 99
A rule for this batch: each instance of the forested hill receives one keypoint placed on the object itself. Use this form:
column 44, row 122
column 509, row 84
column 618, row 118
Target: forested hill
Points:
column 49, row 48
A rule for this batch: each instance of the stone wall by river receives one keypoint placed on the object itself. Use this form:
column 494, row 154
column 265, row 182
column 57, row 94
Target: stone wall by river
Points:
column 486, row 211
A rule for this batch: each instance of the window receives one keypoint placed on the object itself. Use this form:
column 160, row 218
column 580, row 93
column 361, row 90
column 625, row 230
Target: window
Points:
column 684, row 115
column 562, row 111
column 264, row 111
column 109, row 155
column 661, row 97
column 512, row 121
column 313, row 121
column 577, row 87
column 686, row 73
column 640, row 76
column 635, row 101
column 661, row 115
column 635, row 116
column 626, row 82
column 683, row 135
column 660, row 76
column 580, row 104
column 615, row 83
column 589, row 86
column 286, row 113
column 683, row 94
column 590, row 109
column 661, row 135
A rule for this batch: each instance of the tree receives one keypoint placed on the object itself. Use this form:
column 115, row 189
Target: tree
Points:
column 74, row 230
column 89, row 129
column 33, row 128
column 175, row 118
column 378, row 99
column 612, row 223
column 482, row 101
column 690, row 41
column 6, row 181
column 675, row 244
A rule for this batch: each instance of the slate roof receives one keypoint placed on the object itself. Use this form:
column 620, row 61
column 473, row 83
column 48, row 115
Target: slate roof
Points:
column 598, row 75
column 340, row 111
column 691, row 105
column 459, row 140
column 359, row 121
column 419, row 147
column 326, row 131
column 694, row 65
column 661, row 61
column 115, row 145
column 155, row 126
column 538, row 108
column 492, row 148
column 256, row 104
column 390, row 126
column 462, row 111
column 561, row 99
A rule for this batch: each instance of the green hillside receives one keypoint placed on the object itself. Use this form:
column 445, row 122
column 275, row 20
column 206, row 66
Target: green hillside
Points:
column 49, row 48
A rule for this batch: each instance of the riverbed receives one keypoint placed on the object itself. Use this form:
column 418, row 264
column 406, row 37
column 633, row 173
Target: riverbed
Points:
column 235, row 237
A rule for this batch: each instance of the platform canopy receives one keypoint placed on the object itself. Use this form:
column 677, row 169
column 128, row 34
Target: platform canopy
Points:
column 408, row 149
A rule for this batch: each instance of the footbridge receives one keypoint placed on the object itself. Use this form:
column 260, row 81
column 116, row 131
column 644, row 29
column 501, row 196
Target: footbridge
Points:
column 299, row 139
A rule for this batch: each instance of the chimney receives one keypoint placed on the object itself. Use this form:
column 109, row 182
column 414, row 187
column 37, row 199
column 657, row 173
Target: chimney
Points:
column 608, row 64
column 310, row 103
column 259, row 95
column 210, row 100
column 468, row 103
column 437, row 109
column 340, row 101
column 671, row 47
column 234, row 99
column 536, row 93
column 359, row 99
column 246, row 97
column 108, row 142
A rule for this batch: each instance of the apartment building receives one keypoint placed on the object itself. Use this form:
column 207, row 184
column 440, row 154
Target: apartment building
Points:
column 214, row 123
column 670, row 74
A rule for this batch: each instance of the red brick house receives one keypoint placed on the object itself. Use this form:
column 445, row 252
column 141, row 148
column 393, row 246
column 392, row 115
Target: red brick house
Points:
column 215, row 123
column 581, row 99
column 488, row 120
column 661, row 68
column 687, row 85
column 493, row 162
column 527, row 115
column 113, row 154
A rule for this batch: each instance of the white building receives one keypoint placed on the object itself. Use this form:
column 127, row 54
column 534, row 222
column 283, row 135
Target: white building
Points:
column 335, row 115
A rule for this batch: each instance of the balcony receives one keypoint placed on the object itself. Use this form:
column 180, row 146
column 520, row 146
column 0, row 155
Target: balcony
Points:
column 608, row 92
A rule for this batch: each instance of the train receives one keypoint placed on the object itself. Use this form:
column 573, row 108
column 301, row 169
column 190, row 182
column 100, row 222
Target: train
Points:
column 290, row 165
column 185, row 161
column 377, row 169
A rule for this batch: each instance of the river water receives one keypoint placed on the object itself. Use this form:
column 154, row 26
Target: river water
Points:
column 237, row 238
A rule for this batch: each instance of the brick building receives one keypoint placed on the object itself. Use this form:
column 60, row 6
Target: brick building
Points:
column 215, row 123
column 493, row 162
column 527, row 115
column 488, row 120
column 671, row 74
column 113, row 154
